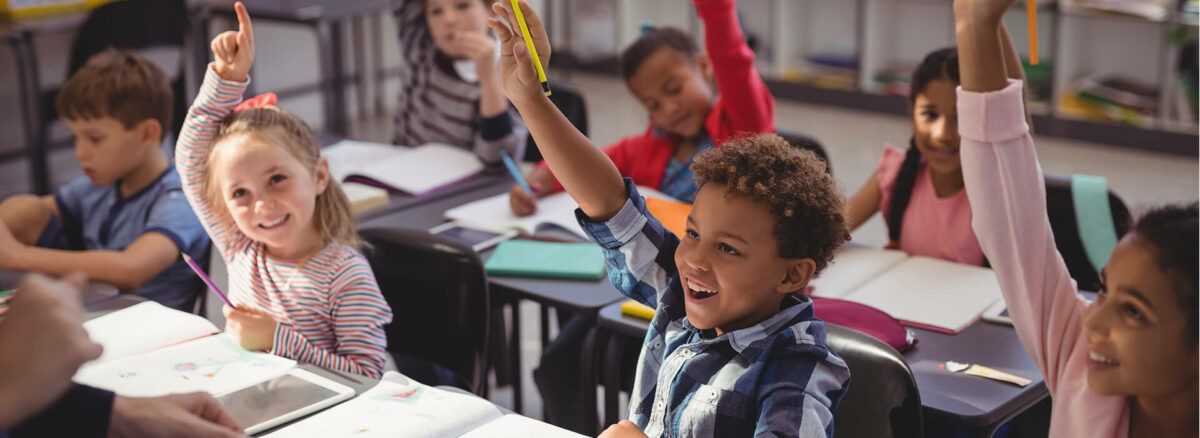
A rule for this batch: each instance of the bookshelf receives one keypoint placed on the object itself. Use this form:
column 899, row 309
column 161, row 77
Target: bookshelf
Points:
column 859, row 54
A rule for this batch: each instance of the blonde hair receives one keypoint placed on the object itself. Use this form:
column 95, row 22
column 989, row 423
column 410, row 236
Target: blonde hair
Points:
column 332, row 216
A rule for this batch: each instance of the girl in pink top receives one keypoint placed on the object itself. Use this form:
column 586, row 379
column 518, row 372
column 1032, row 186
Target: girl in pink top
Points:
column 1124, row 365
column 920, row 191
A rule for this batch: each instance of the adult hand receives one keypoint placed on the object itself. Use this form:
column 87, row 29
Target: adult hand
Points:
column 233, row 52
column 177, row 415
column 42, row 344
column 624, row 429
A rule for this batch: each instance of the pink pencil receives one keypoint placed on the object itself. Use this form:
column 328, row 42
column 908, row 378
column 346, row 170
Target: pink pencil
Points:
column 196, row 268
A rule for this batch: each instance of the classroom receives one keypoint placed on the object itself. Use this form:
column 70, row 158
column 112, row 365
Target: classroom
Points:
column 609, row 218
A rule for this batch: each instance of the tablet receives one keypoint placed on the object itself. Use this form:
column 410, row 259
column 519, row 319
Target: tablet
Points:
column 998, row 313
column 283, row 399
column 478, row 239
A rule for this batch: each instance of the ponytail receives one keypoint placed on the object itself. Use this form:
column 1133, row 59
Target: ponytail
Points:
column 902, row 191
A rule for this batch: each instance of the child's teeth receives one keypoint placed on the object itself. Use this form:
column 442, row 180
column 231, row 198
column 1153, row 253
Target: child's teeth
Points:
column 697, row 288
column 1100, row 358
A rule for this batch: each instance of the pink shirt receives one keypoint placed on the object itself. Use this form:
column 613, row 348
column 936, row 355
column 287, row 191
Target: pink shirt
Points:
column 1004, row 179
column 932, row 227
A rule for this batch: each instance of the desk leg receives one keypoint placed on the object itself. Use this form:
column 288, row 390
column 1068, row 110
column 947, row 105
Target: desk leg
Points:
column 612, row 378
column 31, row 90
column 515, row 350
column 587, row 377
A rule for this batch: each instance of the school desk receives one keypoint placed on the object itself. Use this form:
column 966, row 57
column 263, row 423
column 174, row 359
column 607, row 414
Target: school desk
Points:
column 972, row 402
column 356, row 382
column 576, row 296
column 325, row 17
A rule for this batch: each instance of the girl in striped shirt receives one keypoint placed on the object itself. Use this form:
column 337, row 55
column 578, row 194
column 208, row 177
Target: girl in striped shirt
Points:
column 257, row 181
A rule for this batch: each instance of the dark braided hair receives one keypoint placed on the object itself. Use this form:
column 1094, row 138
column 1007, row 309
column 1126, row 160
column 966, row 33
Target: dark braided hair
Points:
column 1172, row 231
column 940, row 64
column 652, row 39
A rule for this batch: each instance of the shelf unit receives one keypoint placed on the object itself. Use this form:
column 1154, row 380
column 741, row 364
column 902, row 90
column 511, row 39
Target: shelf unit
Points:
column 834, row 51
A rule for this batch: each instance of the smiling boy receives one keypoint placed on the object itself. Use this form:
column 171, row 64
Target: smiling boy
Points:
column 733, row 349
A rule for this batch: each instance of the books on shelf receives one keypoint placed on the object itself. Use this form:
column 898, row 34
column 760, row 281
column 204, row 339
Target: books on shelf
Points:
column 1111, row 99
column 415, row 170
column 919, row 291
column 399, row 406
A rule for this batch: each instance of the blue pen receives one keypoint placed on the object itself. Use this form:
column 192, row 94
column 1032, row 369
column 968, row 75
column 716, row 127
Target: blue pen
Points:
column 512, row 168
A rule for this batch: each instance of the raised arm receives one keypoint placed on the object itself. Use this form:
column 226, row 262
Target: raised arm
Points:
column 583, row 169
column 1007, row 192
column 750, row 105
column 225, row 81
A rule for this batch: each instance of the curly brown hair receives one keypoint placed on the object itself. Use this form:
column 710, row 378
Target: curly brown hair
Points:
column 791, row 182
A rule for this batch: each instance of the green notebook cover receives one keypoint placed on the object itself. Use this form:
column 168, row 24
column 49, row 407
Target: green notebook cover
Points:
column 532, row 258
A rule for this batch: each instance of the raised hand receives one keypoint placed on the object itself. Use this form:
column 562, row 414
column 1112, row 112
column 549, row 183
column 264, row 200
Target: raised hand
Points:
column 981, row 12
column 233, row 52
column 518, row 77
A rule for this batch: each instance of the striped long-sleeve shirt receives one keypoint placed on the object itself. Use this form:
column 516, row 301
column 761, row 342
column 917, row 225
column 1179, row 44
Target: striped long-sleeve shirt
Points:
column 775, row 378
column 330, row 310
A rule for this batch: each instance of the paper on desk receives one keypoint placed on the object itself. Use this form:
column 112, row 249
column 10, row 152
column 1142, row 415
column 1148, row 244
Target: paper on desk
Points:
column 215, row 364
column 143, row 327
column 557, row 209
column 516, row 426
column 398, row 406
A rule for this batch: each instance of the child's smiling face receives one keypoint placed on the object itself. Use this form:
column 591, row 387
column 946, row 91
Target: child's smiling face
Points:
column 729, row 263
column 674, row 88
column 935, row 126
column 270, row 194
column 1137, row 338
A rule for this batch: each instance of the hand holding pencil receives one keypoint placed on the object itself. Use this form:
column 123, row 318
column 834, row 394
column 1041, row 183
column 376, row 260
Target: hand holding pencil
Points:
column 519, row 73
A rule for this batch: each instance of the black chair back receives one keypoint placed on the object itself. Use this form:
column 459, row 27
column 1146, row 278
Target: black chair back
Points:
column 883, row 400
column 804, row 141
column 569, row 100
column 438, row 293
column 1060, row 208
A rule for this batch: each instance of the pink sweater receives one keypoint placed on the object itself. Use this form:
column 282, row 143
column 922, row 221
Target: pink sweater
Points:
column 932, row 226
column 1008, row 196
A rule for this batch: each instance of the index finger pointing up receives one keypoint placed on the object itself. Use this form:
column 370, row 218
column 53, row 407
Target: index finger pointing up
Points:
column 244, row 26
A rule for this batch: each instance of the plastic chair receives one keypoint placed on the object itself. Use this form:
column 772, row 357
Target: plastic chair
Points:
column 804, row 141
column 1061, row 211
column 883, row 400
column 569, row 100
column 438, row 293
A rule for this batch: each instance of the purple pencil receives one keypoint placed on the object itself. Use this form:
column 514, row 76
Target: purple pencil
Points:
column 196, row 268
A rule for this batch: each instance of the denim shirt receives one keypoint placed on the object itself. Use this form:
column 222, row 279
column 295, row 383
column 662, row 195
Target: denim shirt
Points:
column 776, row 378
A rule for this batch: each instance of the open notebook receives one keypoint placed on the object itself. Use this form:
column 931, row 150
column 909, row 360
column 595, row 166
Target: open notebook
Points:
column 415, row 170
column 555, row 210
column 919, row 291
column 399, row 406
column 152, row 350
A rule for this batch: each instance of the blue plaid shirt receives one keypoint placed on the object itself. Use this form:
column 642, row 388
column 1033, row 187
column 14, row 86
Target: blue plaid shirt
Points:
column 777, row 378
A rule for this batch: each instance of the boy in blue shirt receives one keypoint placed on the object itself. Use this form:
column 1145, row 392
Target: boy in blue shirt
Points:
column 733, row 349
column 125, row 221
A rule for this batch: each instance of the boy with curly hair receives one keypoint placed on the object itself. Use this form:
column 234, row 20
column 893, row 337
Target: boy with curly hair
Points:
column 733, row 349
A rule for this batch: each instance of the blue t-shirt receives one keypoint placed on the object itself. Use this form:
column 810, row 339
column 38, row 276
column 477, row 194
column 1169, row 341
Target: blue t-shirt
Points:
column 97, row 218
column 678, row 181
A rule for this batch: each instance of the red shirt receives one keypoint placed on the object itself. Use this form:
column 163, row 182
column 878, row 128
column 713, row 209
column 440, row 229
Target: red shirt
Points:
column 744, row 106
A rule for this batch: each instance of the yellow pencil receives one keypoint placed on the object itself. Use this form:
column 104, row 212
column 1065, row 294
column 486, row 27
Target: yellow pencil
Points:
column 537, row 62
column 1031, row 8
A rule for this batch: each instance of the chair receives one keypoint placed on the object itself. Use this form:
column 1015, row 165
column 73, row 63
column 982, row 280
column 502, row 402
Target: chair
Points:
column 438, row 293
column 1061, row 211
column 569, row 100
column 803, row 141
column 883, row 400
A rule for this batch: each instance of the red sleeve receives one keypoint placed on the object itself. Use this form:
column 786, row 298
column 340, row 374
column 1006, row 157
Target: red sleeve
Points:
column 749, row 105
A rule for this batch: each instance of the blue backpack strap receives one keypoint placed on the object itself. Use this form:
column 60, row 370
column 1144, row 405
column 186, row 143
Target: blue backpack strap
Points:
column 1093, row 215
